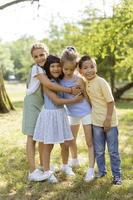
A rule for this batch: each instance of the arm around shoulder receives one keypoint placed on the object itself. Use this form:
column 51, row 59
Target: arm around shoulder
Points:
column 60, row 101
column 52, row 86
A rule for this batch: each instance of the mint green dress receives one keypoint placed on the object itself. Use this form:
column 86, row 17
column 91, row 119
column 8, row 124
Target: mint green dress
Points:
column 32, row 106
column 33, row 102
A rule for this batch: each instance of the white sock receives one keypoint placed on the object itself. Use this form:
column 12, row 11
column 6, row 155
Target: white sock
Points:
column 64, row 165
column 91, row 170
column 75, row 159
column 47, row 171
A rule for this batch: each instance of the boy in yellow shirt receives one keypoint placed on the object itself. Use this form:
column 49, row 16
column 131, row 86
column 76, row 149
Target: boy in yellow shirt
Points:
column 104, row 119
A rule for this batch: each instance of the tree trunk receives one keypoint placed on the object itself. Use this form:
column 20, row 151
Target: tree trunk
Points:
column 120, row 91
column 5, row 103
column 111, row 61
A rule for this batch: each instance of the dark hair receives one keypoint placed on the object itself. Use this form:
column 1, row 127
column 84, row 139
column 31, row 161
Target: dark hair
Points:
column 83, row 59
column 50, row 60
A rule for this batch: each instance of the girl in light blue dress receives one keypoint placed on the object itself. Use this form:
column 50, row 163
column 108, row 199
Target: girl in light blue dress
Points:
column 52, row 126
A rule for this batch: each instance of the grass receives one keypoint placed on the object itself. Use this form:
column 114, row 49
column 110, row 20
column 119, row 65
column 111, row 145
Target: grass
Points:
column 13, row 164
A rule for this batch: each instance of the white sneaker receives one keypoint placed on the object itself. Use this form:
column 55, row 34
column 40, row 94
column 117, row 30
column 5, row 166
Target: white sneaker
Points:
column 74, row 163
column 89, row 175
column 47, row 174
column 52, row 168
column 67, row 170
column 37, row 175
column 40, row 168
column 52, row 179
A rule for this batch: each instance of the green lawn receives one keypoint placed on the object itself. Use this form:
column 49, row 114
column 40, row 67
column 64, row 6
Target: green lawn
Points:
column 13, row 164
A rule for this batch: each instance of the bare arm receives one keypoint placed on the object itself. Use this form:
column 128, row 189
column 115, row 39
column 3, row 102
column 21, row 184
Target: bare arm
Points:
column 52, row 86
column 107, row 122
column 60, row 101
column 56, row 87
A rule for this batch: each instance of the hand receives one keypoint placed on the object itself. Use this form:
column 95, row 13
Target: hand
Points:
column 78, row 98
column 76, row 90
column 107, row 125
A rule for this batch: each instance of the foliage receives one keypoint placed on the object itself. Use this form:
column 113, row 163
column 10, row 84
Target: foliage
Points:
column 108, row 39
column 6, row 64
column 20, row 54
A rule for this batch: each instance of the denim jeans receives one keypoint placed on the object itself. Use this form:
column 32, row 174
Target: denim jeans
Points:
column 100, row 138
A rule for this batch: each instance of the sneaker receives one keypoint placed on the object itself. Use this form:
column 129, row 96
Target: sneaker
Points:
column 100, row 175
column 74, row 163
column 40, row 168
column 117, row 180
column 67, row 170
column 47, row 174
column 89, row 175
column 37, row 175
column 52, row 179
column 52, row 168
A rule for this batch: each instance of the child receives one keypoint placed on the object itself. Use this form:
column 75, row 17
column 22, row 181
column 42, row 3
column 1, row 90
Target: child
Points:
column 33, row 103
column 104, row 118
column 79, row 112
column 52, row 125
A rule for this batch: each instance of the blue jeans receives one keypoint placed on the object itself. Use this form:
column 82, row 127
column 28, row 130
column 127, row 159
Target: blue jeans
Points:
column 100, row 138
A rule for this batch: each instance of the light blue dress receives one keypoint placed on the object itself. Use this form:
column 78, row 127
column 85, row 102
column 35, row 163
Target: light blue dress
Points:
column 52, row 124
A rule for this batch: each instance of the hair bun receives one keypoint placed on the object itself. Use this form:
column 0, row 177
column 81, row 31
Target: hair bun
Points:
column 71, row 49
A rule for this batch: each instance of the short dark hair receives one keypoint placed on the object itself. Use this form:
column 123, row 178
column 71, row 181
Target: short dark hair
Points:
column 83, row 59
column 50, row 60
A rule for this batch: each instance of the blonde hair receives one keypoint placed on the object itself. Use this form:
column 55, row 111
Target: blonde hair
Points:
column 69, row 54
column 39, row 46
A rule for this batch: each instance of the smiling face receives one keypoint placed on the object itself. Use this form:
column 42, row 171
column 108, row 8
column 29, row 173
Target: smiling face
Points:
column 68, row 68
column 55, row 70
column 39, row 56
column 88, row 69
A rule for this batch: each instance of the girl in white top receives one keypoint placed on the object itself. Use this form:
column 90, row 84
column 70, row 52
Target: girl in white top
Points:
column 33, row 103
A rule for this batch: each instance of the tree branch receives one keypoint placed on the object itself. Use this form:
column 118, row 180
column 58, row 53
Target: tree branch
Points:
column 14, row 2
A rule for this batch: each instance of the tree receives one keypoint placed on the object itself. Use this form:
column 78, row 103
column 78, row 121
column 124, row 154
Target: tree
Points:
column 5, row 60
column 20, row 54
column 5, row 103
column 110, row 41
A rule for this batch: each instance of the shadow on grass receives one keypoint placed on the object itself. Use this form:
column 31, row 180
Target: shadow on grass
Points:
column 14, row 169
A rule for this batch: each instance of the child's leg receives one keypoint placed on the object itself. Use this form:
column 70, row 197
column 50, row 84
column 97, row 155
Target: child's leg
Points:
column 30, row 150
column 89, row 142
column 65, row 152
column 99, row 140
column 73, row 144
column 112, row 142
column 46, row 153
column 41, row 152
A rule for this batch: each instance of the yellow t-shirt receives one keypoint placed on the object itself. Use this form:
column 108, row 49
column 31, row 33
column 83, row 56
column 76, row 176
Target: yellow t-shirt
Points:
column 100, row 94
